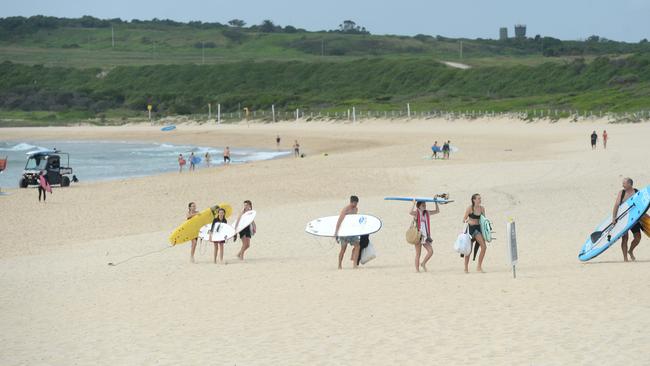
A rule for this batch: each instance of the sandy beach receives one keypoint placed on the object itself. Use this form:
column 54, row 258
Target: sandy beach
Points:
column 62, row 304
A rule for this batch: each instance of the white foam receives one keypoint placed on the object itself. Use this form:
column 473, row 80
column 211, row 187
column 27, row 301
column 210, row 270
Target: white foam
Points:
column 23, row 146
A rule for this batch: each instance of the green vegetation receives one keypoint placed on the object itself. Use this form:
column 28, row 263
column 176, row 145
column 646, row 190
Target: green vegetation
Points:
column 66, row 69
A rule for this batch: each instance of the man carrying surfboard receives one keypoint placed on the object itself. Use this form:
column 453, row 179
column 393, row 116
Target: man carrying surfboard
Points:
column 627, row 192
column 350, row 209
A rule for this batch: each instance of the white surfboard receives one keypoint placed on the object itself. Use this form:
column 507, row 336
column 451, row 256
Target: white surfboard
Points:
column 221, row 232
column 245, row 219
column 352, row 225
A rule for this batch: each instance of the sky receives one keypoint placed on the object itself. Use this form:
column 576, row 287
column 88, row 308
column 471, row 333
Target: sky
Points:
column 622, row 20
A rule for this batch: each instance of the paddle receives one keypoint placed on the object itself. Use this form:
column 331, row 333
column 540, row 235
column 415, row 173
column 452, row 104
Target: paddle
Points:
column 596, row 235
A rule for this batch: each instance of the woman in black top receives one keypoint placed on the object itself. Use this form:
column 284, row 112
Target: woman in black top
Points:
column 247, row 233
column 218, row 245
column 472, row 217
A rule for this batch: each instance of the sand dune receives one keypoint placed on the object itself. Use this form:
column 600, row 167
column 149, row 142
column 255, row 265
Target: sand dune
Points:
column 287, row 304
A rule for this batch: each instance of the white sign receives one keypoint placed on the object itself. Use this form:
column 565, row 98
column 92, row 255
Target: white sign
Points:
column 512, row 242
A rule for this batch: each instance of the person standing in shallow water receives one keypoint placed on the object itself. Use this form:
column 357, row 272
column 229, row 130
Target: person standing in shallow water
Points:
column 472, row 216
column 226, row 155
column 181, row 163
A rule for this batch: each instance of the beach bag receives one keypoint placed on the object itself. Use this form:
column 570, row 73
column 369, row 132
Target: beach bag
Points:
column 463, row 244
column 413, row 234
column 645, row 224
column 368, row 253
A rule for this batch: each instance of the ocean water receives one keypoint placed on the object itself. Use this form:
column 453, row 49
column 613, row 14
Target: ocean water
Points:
column 104, row 160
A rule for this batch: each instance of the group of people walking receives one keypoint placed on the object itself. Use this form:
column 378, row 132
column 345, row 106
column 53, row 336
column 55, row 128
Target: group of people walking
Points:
column 445, row 150
column 594, row 139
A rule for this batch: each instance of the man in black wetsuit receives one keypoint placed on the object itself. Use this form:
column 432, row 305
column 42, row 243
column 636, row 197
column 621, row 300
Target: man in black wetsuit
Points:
column 594, row 139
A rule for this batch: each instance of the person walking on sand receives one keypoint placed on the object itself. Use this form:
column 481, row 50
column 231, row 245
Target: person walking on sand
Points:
column 191, row 212
column 218, row 245
column 43, row 186
column 445, row 151
column 627, row 192
column 247, row 233
column 181, row 163
column 296, row 149
column 594, row 139
column 277, row 141
column 226, row 155
column 423, row 218
column 192, row 162
column 604, row 139
column 472, row 216
column 435, row 148
column 208, row 158
column 350, row 209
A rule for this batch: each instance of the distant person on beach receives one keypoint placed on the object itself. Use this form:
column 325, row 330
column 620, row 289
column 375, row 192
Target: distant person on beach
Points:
column 605, row 139
column 435, row 148
column 277, row 141
column 296, row 149
column 226, row 155
column 445, row 150
column 218, row 245
column 627, row 192
column 344, row 241
column 423, row 218
column 191, row 212
column 594, row 139
column 181, row 163
column 43, row 186
column 208, row 158
column 247, row 233
column 472, row 217
column 192, row 165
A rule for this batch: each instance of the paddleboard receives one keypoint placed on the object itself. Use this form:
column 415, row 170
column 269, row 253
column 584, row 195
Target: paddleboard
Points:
column 245, row 219
column 189, row 229
column 221, row 232
column 352, row 225
column 628, row 214
column 168, row 128
column 423, row 199
column 436, row 149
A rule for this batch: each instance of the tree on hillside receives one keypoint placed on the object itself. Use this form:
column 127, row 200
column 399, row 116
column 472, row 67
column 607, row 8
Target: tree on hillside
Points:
column 237, row 23
column 349, row 26
column 267, row 26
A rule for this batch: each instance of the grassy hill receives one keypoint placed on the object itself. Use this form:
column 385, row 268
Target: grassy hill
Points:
column 70, row 67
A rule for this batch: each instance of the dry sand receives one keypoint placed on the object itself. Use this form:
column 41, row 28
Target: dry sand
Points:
column 61, row 304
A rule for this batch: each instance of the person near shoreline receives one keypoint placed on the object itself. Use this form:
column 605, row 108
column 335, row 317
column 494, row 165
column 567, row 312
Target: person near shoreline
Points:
column 43, row 186
column 594, row 140
column 208, row 158
column 296, row 149
column 277, row 141
column 218, row 245
column 472, row 216
column 192, row 164
column 627, row 192
column 435, row 148
column 191, row 212
column 247, row 233
column 445, row 150
column 181, row 163
column 423, row 218
column 226, row 155
column 350, row 209
column 604, row 139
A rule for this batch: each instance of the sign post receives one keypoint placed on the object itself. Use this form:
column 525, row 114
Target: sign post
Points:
column 512, row 246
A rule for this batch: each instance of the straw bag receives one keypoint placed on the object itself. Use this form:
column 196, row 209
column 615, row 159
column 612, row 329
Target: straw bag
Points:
column 413, row 234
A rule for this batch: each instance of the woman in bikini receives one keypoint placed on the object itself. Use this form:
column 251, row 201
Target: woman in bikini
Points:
column 218, row 245
column 472, row 217
column 247, row 232
column 191, row 212
column 422, row 216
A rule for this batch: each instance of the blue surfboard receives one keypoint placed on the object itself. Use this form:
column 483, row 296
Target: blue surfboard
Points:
column 423, row 199
column 628, row 214
column 168, row 128
column 196, row 160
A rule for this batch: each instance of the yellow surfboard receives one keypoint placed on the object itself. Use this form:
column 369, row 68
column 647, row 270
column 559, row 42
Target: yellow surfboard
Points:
column 190, row 228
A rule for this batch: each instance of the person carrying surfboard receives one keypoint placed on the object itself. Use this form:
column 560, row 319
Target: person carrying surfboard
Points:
column 423, row 218
column 218, row 245
column 247, row 233
column 192, row 162
column 627, row 192
column 181, row 163
column 43, row 185
column 472, row 216
column 350, row 209
column 191, row 212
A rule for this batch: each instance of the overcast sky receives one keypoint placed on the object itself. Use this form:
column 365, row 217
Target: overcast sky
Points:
column 623, row 20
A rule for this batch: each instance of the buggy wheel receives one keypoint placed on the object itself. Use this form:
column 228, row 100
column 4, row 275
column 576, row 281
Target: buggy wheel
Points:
column 22, row 183
column 65, row 181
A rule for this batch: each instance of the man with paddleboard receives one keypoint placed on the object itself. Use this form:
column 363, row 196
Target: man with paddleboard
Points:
column 350, row 209
column 622, row 196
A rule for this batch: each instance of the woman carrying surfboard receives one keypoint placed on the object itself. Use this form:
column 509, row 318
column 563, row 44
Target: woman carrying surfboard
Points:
column 422, row 216
column 218, row 245
column 191, row 212
column 472, row 216
column 43, row 186
column 247, row 233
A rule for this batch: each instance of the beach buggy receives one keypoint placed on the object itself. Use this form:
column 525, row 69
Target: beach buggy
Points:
column 50, row 162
